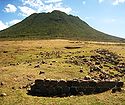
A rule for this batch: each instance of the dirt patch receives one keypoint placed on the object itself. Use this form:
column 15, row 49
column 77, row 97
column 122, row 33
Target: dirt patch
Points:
column 73, row 47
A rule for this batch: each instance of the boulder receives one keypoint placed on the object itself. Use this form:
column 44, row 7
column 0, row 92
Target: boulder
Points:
column 81, row 71
column 3, row 94
column 2, row 83
column 41, row 72
column 37, row 66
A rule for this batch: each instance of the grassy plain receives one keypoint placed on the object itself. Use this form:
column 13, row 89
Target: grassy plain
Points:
column 17, row 69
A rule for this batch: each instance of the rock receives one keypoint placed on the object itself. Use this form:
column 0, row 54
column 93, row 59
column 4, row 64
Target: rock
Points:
column 30, row 64
column 100, row 66
column 87, row 78
column 119, row 89
column 73, row 90
column 2, row 83
column 12, row 64
column 85, row 60
column 106, row 65
column 54, row 61
column 3, row 94
column 20, row 87
column 5, row 51
column 81, row 71
column 72, row 47
column 97, row 63
column 43, row 62
column 63, row 88
column 37, row 66
column 41, row 72
column 110, row 67
column 94, row 68
column 101, row 76
column 13, row 88
column 29, row 79
column 116, row 89
column 25, row 86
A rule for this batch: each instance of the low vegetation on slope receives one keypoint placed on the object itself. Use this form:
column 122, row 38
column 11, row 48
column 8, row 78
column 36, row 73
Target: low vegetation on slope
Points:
column 56, row 24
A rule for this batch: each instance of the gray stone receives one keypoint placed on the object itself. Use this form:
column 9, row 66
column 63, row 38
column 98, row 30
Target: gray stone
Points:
column 2, row 83
column 41, row 72
column 3, row 94
column 81, row 71
column 37, row 66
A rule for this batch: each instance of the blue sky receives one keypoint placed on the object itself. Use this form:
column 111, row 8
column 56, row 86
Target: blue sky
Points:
column 104, row 15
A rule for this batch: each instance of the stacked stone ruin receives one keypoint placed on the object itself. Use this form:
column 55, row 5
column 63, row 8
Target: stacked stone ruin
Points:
column 50, row 88
column 96, row 63
column 89, row 84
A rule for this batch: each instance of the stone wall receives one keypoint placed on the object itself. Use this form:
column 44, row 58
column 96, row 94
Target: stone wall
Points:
column 71, row 87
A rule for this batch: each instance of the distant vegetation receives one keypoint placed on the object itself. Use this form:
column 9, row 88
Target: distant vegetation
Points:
column 56, row 24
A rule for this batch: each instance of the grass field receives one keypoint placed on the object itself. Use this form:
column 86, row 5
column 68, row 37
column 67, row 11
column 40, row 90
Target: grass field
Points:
column 21, row 62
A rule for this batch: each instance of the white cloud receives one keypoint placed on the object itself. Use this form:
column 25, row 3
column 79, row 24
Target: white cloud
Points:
column 13, row 22
column 2, row 25
column 89, row 18
column 66, row 10
column 26, row 11
column 110, row 21
column 43, row 6
column 10, row 8
column 84, row 2
column 52, row 1
column 33, row 3
column 116, row 2
column 7, row 24
column 57, row 6
column 100, row 1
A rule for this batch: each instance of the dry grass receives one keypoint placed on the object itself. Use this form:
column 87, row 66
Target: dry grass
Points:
column 17, row 61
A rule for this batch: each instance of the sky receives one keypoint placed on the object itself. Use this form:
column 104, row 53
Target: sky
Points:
column 107, row 16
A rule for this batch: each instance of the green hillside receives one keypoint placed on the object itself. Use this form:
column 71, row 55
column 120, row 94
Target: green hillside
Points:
column 56, row 24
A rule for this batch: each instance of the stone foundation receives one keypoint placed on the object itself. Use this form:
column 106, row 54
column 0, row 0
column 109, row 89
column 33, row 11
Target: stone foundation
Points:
column 50, row 88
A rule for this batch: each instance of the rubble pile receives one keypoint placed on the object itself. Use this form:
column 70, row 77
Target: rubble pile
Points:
column 50, row 88
column 102, row 61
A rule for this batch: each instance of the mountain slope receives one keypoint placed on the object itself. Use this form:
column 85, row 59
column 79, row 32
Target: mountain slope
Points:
column 56, row 24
